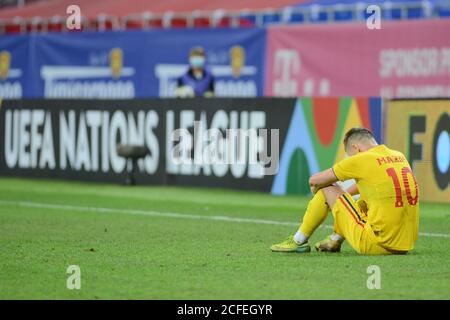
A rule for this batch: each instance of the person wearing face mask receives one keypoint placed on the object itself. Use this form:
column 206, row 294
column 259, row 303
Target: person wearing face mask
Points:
column 198, row 81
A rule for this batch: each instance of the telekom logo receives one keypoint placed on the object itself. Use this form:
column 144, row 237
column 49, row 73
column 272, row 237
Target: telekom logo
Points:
column 287, row 70
column 287, row 64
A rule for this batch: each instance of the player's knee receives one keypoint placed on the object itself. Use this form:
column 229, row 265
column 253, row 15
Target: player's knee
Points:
column 333, row 190
column 331, row 194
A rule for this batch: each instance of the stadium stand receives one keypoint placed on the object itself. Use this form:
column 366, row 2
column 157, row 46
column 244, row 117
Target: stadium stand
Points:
column 44, row 16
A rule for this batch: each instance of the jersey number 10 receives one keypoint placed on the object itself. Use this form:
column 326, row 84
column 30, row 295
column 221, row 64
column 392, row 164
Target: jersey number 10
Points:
column 398, row 190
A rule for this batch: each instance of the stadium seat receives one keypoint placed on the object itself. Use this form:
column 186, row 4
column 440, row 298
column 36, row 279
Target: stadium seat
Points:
column 443, row 11
column 16, row 25
column 318, row 14
column 248, row 17
column 56, row 24
column 343, row 14
column 297, row 16
column 415, row 13
column 270, row 17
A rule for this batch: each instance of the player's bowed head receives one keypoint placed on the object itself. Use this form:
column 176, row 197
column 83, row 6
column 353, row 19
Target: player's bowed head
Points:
column 356, row 140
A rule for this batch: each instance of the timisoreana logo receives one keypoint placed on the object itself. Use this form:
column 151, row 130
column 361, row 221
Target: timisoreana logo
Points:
column 237, row 54
column 10, row 87
column 116, row 58
column 229, row 82
column 90, row 81
column 5, row 62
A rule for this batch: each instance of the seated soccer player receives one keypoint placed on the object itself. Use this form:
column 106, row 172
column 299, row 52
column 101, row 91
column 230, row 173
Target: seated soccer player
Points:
column 385, row 220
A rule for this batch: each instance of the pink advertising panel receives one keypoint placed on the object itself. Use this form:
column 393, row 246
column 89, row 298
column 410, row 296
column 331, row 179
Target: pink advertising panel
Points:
column 402, row 59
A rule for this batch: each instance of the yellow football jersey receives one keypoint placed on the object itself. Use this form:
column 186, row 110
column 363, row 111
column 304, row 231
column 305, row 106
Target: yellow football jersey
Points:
column 387, row 185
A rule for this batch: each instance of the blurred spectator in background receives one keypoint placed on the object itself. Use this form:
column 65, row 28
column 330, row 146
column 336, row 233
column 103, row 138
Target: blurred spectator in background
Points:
column 198, row 81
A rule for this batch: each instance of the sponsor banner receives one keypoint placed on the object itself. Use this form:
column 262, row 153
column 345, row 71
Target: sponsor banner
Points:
column 421, row 130
column 77, row 139
column 245, row 156
column 90, row 66
column 201, row 142
column 263, row 144
column 125, row 65
column 14, row 66
column 402, row 59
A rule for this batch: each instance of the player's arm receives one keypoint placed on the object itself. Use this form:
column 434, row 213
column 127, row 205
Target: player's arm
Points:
column 322, row 179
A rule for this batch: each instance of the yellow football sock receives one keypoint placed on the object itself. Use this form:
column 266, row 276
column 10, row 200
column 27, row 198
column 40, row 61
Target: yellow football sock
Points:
column 315, row 214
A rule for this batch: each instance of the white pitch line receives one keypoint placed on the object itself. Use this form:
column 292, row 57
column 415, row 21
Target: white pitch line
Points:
column 171, row 215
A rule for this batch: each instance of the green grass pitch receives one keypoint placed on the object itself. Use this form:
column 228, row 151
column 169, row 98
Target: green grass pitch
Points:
column 191, row 243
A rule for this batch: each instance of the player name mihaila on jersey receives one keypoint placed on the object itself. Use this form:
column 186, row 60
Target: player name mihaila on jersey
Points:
column 390, row 159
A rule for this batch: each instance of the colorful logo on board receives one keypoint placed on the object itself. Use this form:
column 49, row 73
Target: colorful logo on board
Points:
column 314, row 138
